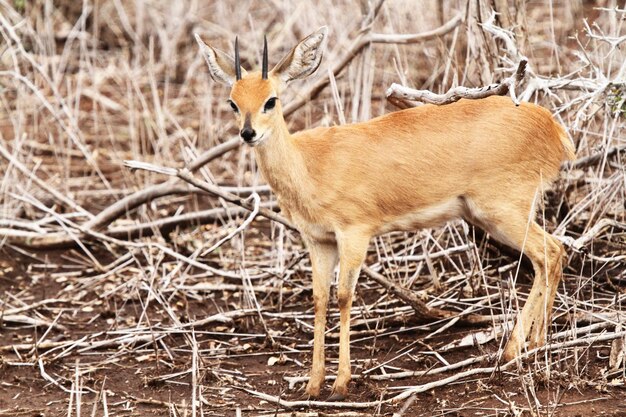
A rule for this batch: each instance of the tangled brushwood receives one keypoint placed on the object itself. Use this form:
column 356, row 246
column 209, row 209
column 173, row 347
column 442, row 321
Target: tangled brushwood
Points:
column 145, row 268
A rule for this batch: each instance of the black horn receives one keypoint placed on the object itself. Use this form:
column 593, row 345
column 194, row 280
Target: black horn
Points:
column 237, row 63
column 264, row 67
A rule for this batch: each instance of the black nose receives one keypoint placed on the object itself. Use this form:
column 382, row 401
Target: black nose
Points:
column 247, row 134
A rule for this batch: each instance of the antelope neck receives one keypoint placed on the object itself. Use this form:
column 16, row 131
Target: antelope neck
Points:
column 280, row 162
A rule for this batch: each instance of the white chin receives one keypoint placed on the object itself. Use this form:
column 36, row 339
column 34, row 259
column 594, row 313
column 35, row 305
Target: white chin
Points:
column 256, row 141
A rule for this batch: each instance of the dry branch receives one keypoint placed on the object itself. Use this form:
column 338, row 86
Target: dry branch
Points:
column 597, row 157
column 408, row 391
column 182, row 220
column 186, row 175
column 422, row 311
column 141, row 197
column 37, row 240
column 293, row 381
column 599, row 227
column 24, row 319
column 405, row 39
column 398, row 93
column 58, row 196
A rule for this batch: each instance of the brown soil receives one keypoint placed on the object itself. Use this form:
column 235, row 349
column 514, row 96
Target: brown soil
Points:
column 142, row 381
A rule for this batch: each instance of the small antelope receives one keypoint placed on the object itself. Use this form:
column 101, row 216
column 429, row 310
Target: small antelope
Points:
column 481, row 160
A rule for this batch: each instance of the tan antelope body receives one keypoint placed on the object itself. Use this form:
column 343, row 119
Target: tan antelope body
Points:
column 481, row 160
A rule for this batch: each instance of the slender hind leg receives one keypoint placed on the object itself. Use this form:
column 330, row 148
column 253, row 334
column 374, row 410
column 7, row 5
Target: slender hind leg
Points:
column 546, row 254
column 514, row 227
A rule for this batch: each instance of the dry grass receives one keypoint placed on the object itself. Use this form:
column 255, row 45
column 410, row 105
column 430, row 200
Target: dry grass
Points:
column 140, row 313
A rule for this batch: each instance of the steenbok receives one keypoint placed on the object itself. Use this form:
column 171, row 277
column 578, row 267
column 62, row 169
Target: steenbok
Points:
column 481, row 160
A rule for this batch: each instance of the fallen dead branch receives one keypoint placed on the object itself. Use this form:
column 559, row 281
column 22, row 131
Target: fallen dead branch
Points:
column 182, row 220
column 30, row 321
column 293, row 381
column 186, row 175
column 421, row 309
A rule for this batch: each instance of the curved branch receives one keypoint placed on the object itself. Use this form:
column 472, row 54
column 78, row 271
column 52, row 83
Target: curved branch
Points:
column 405, row 39
column 132, row 201
column 187, row 176
column 214, row 153
column 169, row 223
column 402, row 93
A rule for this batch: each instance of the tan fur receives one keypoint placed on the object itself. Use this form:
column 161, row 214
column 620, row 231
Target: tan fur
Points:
column 481, row 160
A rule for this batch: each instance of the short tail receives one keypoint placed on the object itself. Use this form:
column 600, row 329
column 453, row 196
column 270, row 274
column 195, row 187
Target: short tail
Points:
column 568, row 146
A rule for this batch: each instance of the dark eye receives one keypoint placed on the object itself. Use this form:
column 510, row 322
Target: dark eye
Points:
column 233, row 106
column 269, row 105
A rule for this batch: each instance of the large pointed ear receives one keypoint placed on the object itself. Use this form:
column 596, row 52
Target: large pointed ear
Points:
column 304, row 59
column 221, row 66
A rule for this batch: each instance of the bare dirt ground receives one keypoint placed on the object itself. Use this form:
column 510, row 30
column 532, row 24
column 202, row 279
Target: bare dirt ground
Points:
column 110, row 304
column 153, row 375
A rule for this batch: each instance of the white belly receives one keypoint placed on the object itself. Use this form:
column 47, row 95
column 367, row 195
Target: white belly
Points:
column 430, row 216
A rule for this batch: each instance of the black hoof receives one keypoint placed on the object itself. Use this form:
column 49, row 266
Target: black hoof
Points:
column 335, row 396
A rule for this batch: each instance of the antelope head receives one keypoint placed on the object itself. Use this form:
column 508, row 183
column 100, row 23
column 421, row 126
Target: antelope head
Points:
column 255, row 96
